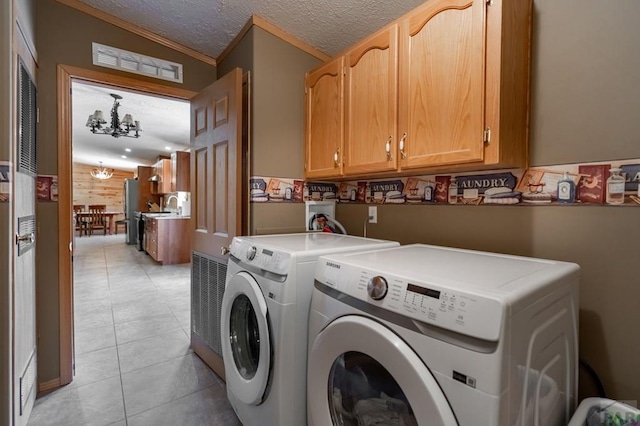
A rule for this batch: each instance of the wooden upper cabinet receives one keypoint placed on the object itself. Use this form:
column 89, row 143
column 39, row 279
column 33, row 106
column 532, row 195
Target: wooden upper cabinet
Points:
column 441, row 111
column 324, row 120
column 180, row 171
column 371, row 90
column 162, row 177
column 445, row 87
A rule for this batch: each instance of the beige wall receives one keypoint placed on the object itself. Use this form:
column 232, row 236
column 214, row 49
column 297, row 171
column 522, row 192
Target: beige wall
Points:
column 64, row 36
column 585, row 98
column 584, row 107
column 241, row 56
column 277, row 120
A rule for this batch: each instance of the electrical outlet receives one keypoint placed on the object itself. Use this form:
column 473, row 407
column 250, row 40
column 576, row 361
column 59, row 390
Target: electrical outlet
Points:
column 373, row 214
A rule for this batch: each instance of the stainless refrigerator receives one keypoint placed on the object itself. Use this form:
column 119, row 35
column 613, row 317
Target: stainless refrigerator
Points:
column 130, row 207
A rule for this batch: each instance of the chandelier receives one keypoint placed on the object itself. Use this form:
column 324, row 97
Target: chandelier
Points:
column 101, row 173
column 117, row 128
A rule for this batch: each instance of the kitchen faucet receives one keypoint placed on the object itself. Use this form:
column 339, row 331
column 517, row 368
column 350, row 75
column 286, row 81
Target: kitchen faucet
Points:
column 169, row 200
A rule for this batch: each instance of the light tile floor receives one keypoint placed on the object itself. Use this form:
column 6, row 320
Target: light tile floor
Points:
column 134, row 365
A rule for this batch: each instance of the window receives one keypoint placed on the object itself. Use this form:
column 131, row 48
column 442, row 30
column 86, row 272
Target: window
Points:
column 112, row 57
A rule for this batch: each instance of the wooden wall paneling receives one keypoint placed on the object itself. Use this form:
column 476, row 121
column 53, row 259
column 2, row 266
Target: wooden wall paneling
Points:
column 89, row 190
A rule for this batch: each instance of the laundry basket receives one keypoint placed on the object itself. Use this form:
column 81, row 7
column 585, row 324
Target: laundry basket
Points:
column 605, row 412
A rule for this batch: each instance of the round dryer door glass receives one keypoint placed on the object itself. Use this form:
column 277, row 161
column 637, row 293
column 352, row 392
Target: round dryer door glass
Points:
column 244, row 337
column 363, row 392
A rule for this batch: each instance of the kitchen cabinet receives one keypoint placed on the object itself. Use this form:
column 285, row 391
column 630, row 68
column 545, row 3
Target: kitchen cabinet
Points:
column 443, row 88
column 144, row 188
column 324, row 120
column 161, row 180
column 151, row 237
column 168, row 239
column 180, row 171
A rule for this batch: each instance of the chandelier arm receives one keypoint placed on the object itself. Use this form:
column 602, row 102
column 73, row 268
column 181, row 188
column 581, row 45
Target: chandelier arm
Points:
column 117, row 127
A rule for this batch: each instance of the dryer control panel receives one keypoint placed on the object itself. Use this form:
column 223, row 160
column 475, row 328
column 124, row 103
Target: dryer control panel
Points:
column 439, row 304
column 260, row 257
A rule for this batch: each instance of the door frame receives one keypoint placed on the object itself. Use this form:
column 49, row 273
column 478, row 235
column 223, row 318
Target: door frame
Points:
column 65, row 75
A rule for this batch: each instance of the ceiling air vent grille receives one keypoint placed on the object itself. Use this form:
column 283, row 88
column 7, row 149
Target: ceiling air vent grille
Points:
column 112, row 57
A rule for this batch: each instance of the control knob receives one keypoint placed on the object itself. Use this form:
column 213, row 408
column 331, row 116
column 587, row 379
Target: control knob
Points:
column 377, row 288
column 251, row 253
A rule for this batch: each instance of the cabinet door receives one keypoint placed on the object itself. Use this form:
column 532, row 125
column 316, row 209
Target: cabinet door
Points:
column 442, row 51
column 165, row 176
column 180, row 171
column 371, row 104
column 324, row 122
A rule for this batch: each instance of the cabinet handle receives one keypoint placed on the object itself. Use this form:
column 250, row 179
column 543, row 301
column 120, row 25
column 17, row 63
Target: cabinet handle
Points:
column 224, row 251
column 403, row 154
column 336, row 156
column 387, row 148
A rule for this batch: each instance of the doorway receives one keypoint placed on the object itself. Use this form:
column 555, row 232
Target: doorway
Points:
column 66, row 229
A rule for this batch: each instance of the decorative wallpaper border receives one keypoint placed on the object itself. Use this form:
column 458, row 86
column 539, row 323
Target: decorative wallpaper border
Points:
column 5, row 181
column 613, row 183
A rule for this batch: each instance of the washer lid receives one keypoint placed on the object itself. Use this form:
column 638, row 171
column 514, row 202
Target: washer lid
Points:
column 419, row 395
column 246, row 340
column 312, row 245
column 475, row 271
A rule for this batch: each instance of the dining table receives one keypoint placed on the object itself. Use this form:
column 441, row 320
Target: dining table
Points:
column 110, row 216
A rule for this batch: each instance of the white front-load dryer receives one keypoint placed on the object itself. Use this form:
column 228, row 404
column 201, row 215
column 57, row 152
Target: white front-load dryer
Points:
column 264, row 315
column 425, row 335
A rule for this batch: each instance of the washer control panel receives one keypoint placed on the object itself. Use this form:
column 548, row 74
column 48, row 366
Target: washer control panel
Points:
column 260, row 257
column 433, row 303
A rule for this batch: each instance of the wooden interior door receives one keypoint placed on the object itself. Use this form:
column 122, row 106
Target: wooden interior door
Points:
column 216, row 165
column 442, row 57
column 324, row 121
column 371, row 104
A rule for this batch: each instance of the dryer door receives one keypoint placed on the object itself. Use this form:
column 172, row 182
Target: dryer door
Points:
column 361, row 372
column 246, row 340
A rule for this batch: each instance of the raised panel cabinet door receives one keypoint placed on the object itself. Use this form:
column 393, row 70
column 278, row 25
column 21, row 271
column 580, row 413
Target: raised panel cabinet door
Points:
column 216, row 165
column 324, row 121
column 166, row 176
column 371, row 114
column 442, row 59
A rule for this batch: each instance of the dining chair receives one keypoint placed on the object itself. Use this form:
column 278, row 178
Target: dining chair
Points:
column 97, row 219
column 79, row 222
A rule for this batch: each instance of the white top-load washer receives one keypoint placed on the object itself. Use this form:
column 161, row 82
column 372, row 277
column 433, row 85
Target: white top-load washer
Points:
column 264, row 315
column 426, row 335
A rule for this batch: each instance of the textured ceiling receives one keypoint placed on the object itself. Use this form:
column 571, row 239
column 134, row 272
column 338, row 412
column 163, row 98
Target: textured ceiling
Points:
column 208, row 26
